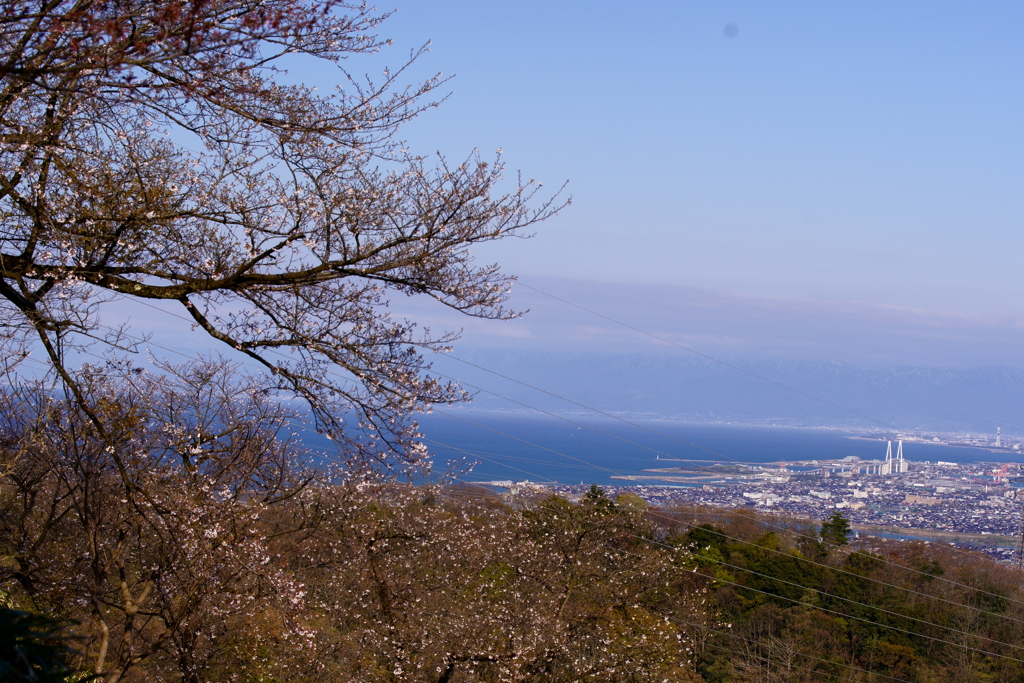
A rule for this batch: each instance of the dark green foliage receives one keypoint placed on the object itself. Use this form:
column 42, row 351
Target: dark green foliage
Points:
column 800, row 610
column 33, row 649
column 706, row 537
column 603, row 591
column 599, row 500
column 836, row 529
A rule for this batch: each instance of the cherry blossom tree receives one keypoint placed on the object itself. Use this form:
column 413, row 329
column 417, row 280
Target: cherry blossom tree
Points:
column 231, row 562
column 154, row 152
column 162, row 553
column 442, row 586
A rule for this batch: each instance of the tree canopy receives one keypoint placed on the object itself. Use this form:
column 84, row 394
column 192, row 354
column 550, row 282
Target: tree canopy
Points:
column 836, row 529
column 154, row 152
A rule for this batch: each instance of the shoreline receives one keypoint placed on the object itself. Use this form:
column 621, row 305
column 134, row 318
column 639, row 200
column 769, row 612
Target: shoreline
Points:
column 938, row 535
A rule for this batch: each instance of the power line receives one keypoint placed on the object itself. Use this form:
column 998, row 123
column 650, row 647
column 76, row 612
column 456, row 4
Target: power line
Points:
column 850, row 616
column 763, row 522
column 639, row 445
column 768, row 661
column 766, row 576
column 467, row 500
column 802, row 654
column 582, row 405
column 722, row 456
column 674, row 520
column 529, row 443
column 710, row 358
column 619, row 473
column 477, row 455
column 868, row 621
column 586, row 463
column 861, row 604
column 566, row 419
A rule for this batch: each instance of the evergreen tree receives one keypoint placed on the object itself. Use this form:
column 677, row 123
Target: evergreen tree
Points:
column 599, row 499
column 836, row 529
column 33, row 649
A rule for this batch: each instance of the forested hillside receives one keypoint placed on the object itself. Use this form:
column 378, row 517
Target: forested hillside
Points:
column 446, row 584
column 234, row 177
column 798, row 609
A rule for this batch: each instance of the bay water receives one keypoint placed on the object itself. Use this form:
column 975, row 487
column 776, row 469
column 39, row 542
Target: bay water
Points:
column 519, row 447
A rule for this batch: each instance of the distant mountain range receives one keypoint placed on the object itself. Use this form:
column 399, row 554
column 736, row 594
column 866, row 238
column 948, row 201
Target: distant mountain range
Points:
column 692, row 388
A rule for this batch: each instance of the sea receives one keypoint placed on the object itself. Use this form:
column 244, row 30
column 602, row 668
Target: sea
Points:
column 491, row 446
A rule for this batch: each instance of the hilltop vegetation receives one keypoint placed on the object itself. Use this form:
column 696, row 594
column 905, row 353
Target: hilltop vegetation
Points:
column 207, row 547
column 803, row 610
column 364, row 581
column 161, row 521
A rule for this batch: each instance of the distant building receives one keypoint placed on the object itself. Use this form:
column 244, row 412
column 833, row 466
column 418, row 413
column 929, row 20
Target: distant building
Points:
column 912, row 499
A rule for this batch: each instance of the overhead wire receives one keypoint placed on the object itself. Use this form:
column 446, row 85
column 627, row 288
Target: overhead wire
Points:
column 582, row 405
column 564, row 418
column 854, row 617
column 768, row 661
column 732, row 512
column 874, row 623
column 616, row 472
column 739, row 585
column 680, row 622
column 667, row 517
column 462, row 500
column 477, row 455
column 727, row 634
column 696, row 352
column 588, row 465
column 468, row 498
column 710, row 358
column 664, row 341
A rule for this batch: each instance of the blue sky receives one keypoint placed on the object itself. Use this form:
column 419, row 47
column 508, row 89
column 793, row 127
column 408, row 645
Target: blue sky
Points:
column 834, row 182
column 867, row 152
